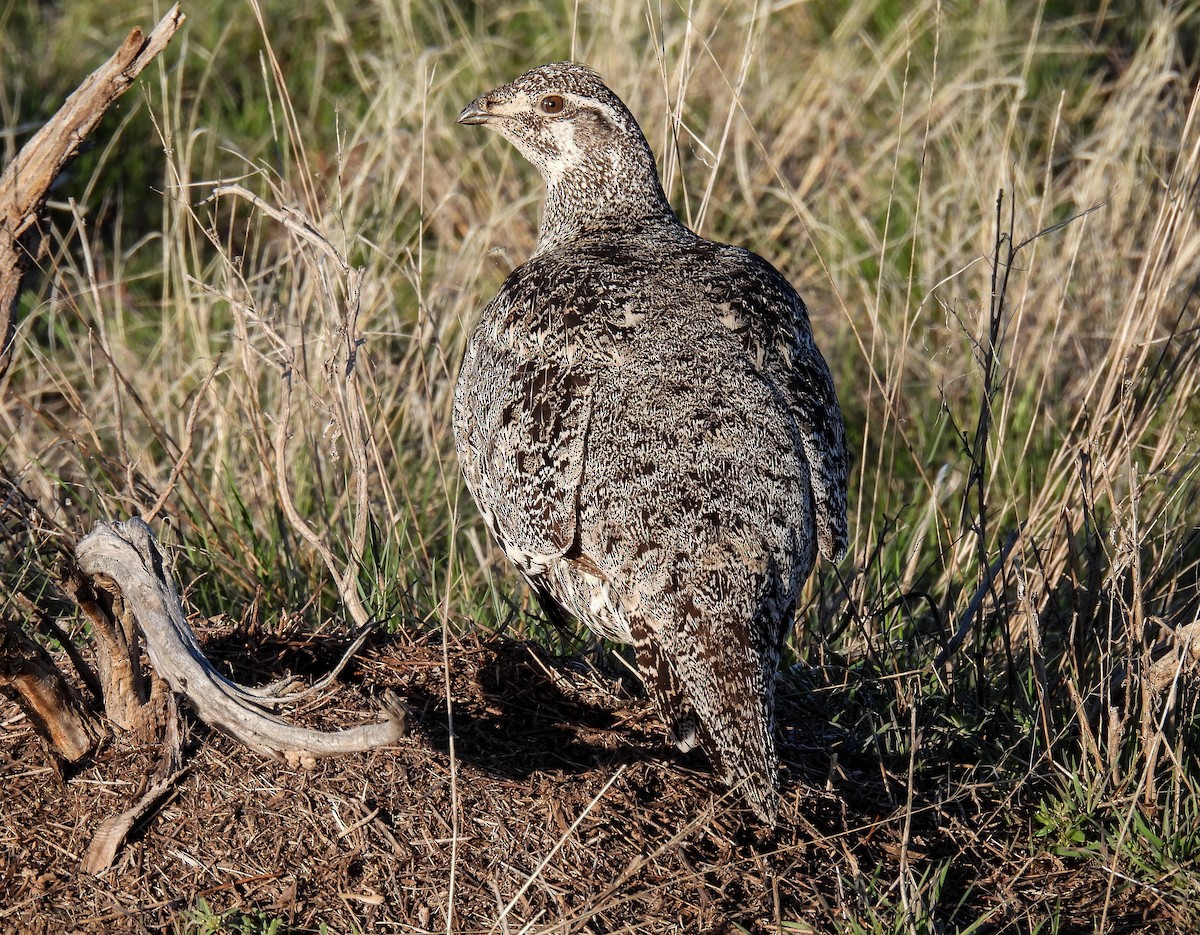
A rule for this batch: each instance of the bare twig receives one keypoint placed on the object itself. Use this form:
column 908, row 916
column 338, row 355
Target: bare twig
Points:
column 295, row 221
column 346, row 578
column 973, row 606
column 347, row 408
column 189, row 433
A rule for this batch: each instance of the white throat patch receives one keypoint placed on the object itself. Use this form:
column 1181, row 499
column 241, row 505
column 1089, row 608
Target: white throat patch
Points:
column 570, row 153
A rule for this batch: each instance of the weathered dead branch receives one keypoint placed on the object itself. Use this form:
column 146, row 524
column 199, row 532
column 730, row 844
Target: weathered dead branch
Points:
column 26, row 670
column 29, row 674
column 118, row 653
column 127, row 555
column 24, row 184
column 111, row 833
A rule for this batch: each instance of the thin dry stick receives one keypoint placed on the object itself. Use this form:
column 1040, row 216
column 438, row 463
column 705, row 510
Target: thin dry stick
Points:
column 908, row 891
column 189, row 434
column 348, row 414
column 344, row 578
column 101, row 331
column 353, row 416
column 981, row 592
column 295, row 221
column 537, row 871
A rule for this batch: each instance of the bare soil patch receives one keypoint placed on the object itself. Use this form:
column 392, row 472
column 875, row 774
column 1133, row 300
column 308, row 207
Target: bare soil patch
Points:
column 568, row 806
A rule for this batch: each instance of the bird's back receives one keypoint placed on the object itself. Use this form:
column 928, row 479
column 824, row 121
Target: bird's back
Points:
column 636, row 374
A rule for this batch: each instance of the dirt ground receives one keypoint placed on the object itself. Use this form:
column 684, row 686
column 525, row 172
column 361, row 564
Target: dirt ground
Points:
column 564, row 812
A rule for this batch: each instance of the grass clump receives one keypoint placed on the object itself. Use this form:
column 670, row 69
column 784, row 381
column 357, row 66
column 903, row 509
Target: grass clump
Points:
column 261, row 286
column 201, row 919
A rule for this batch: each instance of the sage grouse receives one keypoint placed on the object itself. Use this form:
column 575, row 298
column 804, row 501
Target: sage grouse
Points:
column 648, row 428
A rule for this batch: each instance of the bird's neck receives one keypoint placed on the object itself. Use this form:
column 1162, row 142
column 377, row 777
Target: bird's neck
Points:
column 602, row 194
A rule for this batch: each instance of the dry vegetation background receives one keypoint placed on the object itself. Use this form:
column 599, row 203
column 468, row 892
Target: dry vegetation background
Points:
column 990, row 716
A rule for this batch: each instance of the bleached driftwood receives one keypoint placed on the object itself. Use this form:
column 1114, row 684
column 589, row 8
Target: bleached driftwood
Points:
column 127, row 555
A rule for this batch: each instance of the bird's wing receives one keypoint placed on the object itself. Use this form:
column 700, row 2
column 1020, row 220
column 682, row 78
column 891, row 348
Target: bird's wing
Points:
column 818, row 416
column 521, row 424
column 757, row 302
column 804, row 379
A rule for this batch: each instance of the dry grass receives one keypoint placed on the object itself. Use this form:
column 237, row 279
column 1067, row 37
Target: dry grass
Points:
column 1004, row 661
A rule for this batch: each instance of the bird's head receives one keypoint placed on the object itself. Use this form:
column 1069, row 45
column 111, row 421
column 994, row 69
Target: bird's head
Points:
column 582, row 139
column 558, row 116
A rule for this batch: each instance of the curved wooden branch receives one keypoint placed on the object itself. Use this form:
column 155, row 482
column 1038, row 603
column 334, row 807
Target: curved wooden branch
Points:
column 127, row 554
column 25, row 182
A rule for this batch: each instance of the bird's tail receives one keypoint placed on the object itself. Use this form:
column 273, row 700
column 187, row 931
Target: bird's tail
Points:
column 724, row 692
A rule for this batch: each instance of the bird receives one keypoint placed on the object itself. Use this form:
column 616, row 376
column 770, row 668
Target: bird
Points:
column 648, row 428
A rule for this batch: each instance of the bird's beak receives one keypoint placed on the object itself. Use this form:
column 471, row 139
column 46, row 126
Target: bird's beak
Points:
column 476, row 112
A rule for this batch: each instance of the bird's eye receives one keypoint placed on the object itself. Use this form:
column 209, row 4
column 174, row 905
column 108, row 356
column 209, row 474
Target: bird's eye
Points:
column 552, row 104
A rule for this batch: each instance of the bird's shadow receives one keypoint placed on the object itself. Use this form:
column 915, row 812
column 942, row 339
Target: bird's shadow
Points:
column 515, row 709
column 531, row 712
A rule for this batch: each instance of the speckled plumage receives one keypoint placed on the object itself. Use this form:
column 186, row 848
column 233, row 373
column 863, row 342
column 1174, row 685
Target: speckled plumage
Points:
column 648, row 428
